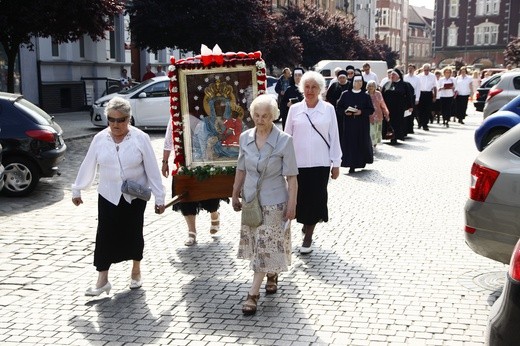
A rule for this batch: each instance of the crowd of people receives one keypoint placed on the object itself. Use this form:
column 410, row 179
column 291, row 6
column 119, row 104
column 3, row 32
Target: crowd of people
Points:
column 285, row 169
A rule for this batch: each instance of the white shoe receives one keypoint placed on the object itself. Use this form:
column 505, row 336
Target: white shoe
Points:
column 305, row 249
column 134, row 284
column 93, row 292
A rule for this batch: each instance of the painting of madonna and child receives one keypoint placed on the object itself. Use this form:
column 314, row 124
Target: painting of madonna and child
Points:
column 216, row 107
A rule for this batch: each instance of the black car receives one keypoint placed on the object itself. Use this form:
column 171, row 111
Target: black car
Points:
column 1, row 169
column 483, row 90
column 505, row 314
column 32, row 144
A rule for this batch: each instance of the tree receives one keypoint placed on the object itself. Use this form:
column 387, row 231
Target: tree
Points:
column 512, row 52
column 387, row 54
column 235, row 25
column 285, row 48
column 64, row 20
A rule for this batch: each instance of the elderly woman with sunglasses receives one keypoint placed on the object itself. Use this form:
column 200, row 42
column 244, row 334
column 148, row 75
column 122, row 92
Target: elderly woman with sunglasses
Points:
column 119, row 152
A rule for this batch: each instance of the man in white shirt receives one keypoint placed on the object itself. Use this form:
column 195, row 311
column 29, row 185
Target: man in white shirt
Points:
column 463, row 89
column 386, row 79
column 414, row 81
column 428, row 87
column 369, row 75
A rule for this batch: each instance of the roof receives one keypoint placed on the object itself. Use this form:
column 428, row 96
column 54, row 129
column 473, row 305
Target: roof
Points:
column 420, row 16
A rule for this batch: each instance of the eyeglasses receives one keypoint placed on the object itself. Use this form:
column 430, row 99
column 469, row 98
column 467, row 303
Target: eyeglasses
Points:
column 117, row 120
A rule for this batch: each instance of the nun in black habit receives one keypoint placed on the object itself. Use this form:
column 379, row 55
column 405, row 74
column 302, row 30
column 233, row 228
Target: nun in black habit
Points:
column 355, row 106
column 398, row 98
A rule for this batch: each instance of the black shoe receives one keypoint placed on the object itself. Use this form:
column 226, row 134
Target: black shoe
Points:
column 426, row 128
column 461, row 121
column 393, row 141
column 447, row 124
column 352, row 170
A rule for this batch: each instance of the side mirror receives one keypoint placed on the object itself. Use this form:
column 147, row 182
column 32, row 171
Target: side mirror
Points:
column 142, row 95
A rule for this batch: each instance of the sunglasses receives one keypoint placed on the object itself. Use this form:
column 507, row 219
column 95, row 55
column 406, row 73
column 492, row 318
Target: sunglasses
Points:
column 117, row 120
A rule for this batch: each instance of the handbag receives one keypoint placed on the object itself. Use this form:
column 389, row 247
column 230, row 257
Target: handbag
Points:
column 133, row 188
column 252, row 211
column 389, row 134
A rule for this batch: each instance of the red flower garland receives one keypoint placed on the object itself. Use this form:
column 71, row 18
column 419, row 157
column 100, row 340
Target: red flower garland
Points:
column 229, row 59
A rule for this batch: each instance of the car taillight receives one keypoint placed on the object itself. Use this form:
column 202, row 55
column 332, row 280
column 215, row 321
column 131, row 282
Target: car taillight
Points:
column 41, row 135
column 514, row 264
column 482, row 180
column 493, row 92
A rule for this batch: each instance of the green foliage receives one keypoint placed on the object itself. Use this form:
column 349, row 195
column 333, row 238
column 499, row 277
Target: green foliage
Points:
column 207, row 171
column 64, row 20
column 512, row 52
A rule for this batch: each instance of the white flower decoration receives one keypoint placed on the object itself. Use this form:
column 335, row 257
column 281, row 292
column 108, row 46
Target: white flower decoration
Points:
column 235, row 82
column 196, row 97
column 244, row 101
column 217, row 77
column 175, row 89
column 174, row 78
column 260, row 82
column 260, row 64
column 228, row 78
column 206, row 79
column 171, row 68
column 197, row 108
column 241, row 91
column 199, row 87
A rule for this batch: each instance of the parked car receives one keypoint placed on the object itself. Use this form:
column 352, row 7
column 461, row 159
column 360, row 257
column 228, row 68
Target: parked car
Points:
column 502, row 92
column 1, row 169
column 504, row 317
column 150, row 102
column 498, row 123
column 32, row 144
column 492, row 222
column 491, row 72
column 482, row 92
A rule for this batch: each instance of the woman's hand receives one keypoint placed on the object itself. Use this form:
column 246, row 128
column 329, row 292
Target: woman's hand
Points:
column 77, row 201
column 165, row 170
column 237, row 205
column 290, row 213
column 334, row 172
column 159, row 209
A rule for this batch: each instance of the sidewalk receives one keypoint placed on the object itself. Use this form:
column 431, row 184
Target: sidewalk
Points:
column 76, row 124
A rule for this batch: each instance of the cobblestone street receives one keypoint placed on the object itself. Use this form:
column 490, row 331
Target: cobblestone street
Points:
column 389, row 268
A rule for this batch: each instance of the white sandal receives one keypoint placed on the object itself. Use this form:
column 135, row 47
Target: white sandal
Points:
column 191, row 240
column 215, row 225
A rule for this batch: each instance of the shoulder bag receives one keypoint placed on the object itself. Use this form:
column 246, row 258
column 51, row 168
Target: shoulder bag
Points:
column 314, row 127
column 133, row 188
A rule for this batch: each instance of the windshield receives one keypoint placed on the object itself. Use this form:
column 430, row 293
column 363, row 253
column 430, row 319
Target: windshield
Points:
column 135, row 87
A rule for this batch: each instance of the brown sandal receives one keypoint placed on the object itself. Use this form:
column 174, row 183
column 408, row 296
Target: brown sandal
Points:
column 249, row 307
column 215, row 226
column 271, row 286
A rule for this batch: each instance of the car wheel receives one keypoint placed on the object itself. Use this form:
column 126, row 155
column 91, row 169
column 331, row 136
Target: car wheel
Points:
column 492, row 136
column 21, row 176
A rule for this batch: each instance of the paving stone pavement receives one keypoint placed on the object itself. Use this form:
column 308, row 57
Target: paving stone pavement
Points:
column 389, row 268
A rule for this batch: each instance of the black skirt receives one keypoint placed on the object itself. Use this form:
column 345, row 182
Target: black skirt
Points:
column 119, row 233
column 311, row 206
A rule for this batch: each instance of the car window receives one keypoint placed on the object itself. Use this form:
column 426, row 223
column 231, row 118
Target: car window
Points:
column 492, row 82
column 515, row 149
column 36, row 113
column 158, row 89
column 516, row 83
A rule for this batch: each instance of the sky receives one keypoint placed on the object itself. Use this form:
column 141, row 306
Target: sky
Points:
column 426, row 3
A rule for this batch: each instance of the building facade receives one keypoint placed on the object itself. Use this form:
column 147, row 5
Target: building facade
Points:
column 392, row 26
column 477, row 31
column 70, row 76
column 419, row 35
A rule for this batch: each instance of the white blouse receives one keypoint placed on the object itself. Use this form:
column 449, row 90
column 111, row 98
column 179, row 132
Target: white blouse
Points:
column 311, row 150
column 137, row 159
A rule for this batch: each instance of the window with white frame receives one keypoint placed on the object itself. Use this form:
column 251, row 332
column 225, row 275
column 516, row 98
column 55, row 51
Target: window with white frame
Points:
column 486, row 34
column 384, row 17
column 487, row 7
column 452, row 35
column 454, row 8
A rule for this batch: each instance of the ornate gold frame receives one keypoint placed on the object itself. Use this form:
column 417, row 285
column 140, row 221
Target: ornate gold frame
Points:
column 209, row 97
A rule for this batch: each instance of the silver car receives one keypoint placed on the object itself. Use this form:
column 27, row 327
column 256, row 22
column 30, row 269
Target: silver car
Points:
column 504, row 91
column 492, row 211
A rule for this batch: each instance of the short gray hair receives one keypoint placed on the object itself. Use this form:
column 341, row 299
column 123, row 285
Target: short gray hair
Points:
column 312, row 76
column 265, row 100
column 119, row 104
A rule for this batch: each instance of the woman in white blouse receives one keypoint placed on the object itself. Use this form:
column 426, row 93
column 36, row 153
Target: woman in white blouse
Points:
column 314, row 127
column 446, row 87
column 119, row 152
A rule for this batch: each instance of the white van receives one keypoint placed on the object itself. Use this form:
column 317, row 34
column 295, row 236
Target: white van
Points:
column 326, row 67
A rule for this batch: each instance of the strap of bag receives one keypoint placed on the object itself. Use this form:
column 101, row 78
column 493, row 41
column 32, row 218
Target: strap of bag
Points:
column 314, row 127
column 121, row 172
